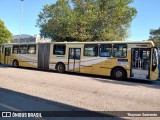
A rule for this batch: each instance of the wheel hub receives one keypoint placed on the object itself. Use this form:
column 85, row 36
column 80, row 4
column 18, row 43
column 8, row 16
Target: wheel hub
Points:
column 118, row 73
column 60, row 67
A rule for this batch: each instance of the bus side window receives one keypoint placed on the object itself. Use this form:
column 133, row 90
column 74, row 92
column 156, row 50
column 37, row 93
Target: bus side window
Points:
column 23, row 49
column 59, row 49
column 105, row 50
column 91, row 50
column 120, row 50
column 15, row 49
column 32, row 49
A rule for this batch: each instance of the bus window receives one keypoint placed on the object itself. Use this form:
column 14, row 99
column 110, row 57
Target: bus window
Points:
column 105, row 50
column 23, row 49
column 119, row 50
column 59, row 49
column 91, row 50
column 31, row 49
column 15, row 49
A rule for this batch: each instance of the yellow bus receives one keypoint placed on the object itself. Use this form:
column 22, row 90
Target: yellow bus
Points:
column 119, row 59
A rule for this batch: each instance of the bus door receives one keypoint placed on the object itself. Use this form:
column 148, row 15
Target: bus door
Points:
column 7, row 58
column 74, row 59
column 140, row 63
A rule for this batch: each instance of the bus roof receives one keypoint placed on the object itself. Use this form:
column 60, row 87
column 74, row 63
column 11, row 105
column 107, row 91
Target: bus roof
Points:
column 92, row 42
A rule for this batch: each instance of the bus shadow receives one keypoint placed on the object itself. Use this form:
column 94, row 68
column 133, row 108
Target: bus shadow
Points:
column 16, row 101
column 4, row 66
column 132, row 82
column 107, row 79
column 104, row 79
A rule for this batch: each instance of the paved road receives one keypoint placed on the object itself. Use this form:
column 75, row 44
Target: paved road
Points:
column 29, row 89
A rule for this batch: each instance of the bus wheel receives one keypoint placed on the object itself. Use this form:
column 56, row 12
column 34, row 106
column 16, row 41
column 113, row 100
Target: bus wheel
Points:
column 119, row 74
column 15, row 63
column 60, row 68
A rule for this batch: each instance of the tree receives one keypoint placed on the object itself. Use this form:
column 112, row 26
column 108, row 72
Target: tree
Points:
column 5, row 34
column 86, row 20
column 155, row 36
column 55, row 20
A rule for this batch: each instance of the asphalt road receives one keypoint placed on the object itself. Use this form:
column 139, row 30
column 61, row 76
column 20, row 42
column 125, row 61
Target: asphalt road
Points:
column 23, row 89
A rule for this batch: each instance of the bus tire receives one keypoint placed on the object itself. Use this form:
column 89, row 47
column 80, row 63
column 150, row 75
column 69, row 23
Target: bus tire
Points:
column 119, row 74
column 15, row 63
column 60, row 67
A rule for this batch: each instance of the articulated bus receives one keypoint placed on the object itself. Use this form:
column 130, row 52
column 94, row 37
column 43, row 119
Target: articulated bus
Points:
column 119, row 59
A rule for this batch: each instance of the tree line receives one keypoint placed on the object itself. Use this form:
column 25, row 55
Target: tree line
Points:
column 155, row 36
column 5, row 34
column 86, row 20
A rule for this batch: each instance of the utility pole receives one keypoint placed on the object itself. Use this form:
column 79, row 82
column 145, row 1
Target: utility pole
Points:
column 21, row 18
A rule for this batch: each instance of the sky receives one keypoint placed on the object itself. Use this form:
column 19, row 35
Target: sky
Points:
column 148, row 16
